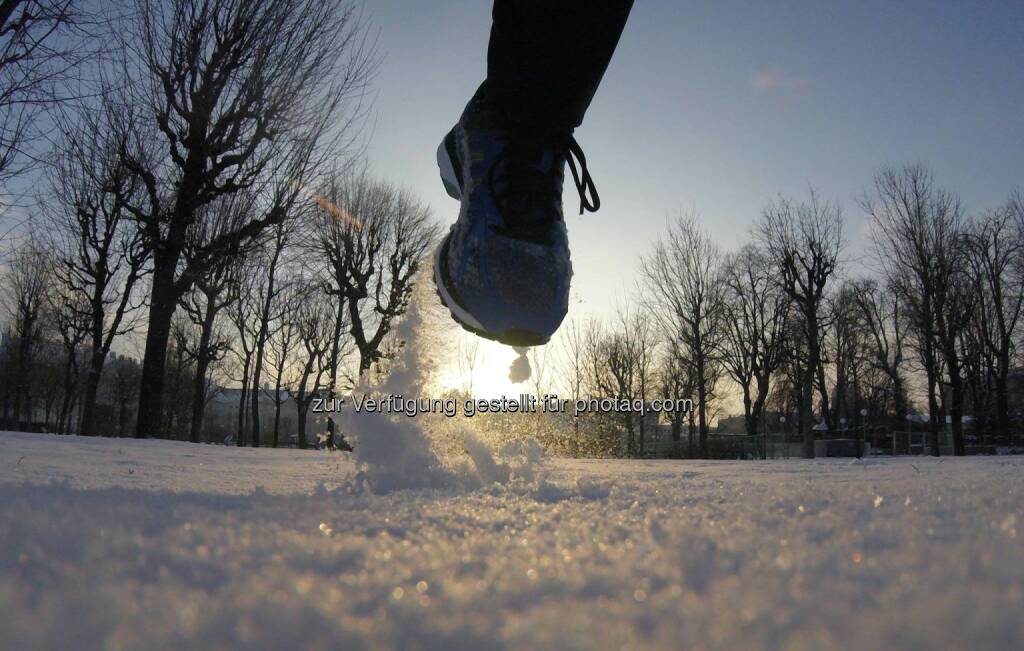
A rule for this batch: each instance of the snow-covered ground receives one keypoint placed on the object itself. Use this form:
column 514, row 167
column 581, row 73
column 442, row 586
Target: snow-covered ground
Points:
column 123, row 544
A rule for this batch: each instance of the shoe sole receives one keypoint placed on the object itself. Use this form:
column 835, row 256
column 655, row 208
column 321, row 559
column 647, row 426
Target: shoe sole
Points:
column 511, row 337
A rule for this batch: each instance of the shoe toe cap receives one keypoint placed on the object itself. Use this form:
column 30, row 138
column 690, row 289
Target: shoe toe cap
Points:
column 521, row 288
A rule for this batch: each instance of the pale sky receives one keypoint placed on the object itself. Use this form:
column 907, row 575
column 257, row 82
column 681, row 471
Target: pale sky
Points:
column 720, row 106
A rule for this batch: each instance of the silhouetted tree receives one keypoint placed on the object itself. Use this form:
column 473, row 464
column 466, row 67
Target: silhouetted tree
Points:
column 100, row 252
column 42, row 44
column 373, row 238
column 240, row 96
column 685, row 286
column 997, row 257
column 25, row 292
column 805, row 240
column 920, row 240
column 756, row 309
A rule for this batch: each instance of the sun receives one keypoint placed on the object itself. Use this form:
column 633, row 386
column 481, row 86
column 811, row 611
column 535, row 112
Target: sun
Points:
column 483, row 365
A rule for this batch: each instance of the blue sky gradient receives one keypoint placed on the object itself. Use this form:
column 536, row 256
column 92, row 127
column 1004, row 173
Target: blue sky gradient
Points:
column 719, row 107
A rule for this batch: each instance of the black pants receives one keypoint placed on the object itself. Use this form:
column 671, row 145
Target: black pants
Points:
column 546, row 58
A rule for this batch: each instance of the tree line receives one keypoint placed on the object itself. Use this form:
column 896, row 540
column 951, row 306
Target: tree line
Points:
column 925, row 326
column 197, row 183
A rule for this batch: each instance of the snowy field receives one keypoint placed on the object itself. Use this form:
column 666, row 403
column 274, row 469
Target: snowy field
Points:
column 123, row 544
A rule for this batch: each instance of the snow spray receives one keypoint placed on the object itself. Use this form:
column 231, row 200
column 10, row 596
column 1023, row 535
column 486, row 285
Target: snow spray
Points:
column 393, row 452
column 520, row 369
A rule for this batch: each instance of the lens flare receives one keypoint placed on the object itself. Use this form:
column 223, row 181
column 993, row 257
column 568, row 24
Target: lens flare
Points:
column 327, row 205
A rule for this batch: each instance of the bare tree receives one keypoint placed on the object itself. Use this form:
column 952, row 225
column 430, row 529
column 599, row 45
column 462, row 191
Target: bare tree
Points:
column 881, row 315
column 241, row 313
column 756, row 309
column 214, row 292
column 469, row 358
column 979, row 365
column 240, row 96
column 178, row 405
column 611, row 373
column 25, row 292
column 643, row 349
column 847, row 340
column 619, row 364
column 997, row 256
column 676, row 382
column 685, row 284
column 373, row 238
column 919, row 238
column 123, row 375
column 101, row 254
column 42, row 43
column 280, row 351
column 572, row 366
column 805, row 239
column 268, row 289
column 71, row 321
column 540, row 358
column 314, row 320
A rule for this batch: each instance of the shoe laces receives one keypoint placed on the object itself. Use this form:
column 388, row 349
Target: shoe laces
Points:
column 527, row 191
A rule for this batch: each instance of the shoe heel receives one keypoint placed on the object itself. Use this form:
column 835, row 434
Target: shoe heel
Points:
column 449, row 175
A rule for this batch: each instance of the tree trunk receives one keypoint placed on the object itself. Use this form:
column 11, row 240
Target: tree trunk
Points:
column 759, row 402
column 172, row 418
column 241, row 401
column 806, row 411
column 690, row 430
column 21, row 378
column 757, row 412
column 254, row 403
column 627, row 420
column 7, row 396
column 92, row 383
column 277, row 408
column 122, row 418
column 933, row 413
column 163, row 301
column 677, row 428
column 642, row 433
column 956, row 411
column 277, row 422
column 202, row 365
column 339, row 318
column 70, row 415
column 826, row 413
column 47, row 409
column 97, row 357
column 898, row 397
column 301, row 411
column 63, row 426
column 749, row 424
column 702, row 413
column 1003, row 393
column 807, row 393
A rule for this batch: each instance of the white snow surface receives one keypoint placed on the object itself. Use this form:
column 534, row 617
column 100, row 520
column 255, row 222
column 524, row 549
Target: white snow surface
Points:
column 125, row 544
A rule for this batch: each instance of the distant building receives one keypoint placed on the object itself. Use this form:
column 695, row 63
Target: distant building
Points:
column 221, row 418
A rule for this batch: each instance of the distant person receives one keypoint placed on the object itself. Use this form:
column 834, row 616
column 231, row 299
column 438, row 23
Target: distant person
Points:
column 503, row 270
